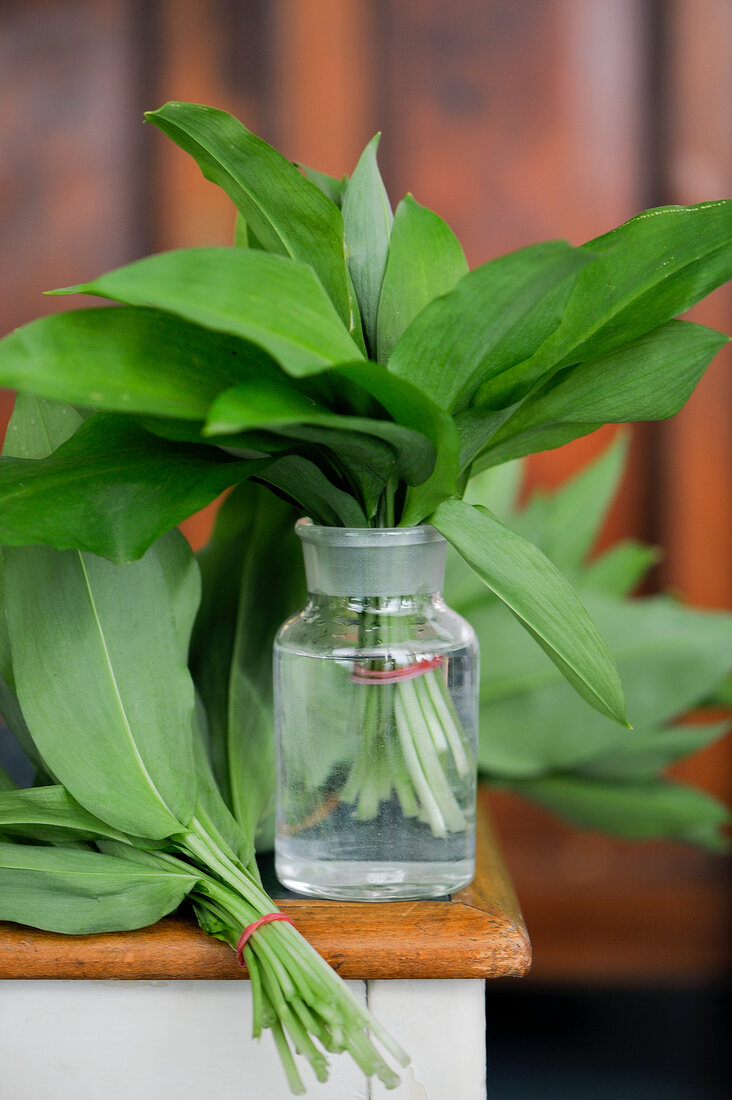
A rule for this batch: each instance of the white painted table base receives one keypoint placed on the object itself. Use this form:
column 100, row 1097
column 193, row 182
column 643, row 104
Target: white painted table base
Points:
column 180, row 1040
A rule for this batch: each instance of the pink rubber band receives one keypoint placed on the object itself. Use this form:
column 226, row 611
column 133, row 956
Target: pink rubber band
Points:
column 361, row 675
column 251, row 928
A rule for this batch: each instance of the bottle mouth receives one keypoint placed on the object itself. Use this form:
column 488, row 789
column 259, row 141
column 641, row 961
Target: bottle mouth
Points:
column 365, row 537
column 362, row 562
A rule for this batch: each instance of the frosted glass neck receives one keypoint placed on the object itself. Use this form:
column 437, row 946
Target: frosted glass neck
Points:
column 372, row 561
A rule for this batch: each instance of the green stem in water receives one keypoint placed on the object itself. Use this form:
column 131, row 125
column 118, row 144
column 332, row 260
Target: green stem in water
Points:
column 429, row 744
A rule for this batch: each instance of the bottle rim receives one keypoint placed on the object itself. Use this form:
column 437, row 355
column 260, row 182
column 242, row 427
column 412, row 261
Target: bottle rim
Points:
column 366, row 537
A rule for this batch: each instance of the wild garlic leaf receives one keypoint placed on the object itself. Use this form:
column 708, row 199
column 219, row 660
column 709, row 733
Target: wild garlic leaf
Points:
column 306, row 484
column 621, row 568
column 111, row 489
column 640, row 810
column 367, row 220
column 566, row 524
column 127, row 360
column 231, row 658
column 670, row 658
column 651, row 751
column 54, row 424
column 272, row 301
column 539, row 596
column 288, row 214
column 498, row 489
column 50, row 815
column 183, row 582
column 331, row 186
column 98, row 669
column 234, row 837
column 99, row 679
column 646, row 379
column 641, row 274
column 722, row 694
column 78, row 892
column 279, row 407
column 494, row 318
column 362, row 463
column 407, row 405
column 243, row 235
column 425, row 261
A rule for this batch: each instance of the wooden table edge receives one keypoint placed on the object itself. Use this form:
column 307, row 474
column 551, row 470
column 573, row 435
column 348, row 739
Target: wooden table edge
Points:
column 479, row 933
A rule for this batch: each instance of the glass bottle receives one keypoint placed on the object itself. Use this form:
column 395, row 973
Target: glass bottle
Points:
column 376, row 700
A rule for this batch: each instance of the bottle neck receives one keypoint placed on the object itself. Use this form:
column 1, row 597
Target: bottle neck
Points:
column 387, row 569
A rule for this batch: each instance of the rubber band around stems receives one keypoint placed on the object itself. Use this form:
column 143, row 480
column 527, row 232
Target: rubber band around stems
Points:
column 251, row 928
column 361, row 675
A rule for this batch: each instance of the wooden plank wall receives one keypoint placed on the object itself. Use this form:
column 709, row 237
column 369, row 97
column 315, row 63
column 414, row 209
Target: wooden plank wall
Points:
column 515, row 121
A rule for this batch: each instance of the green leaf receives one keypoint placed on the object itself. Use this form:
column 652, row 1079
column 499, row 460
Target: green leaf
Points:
column 541, row 599
column 183, row 583
column 722, row 695
column 79, row 892
column 248, row 446
column 652, row 751
column 330, row 186
column 7, row 682
column 495, row 317
column 243, row 236
column 279, row 407
column 35, row 427
column 272, row 301
column 475, row 428
column 288, row 214
column 183, row 580
column 367, row 219
column 498, row 490
column 652, row 268
column 425, row 261
column 99, row 673
column 639, row 811
column 355, row 326
column 303, row 482
column 211, row 809
column 647, row 379
column 253, row 541
column 670, row 658
column 51, row 815
column 112, row 489
column 408, row 406
column 570, row 520
column 621, row 568
column 127, row 360
column 101, row 684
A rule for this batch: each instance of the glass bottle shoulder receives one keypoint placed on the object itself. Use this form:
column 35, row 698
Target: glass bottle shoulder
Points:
column 337, row 628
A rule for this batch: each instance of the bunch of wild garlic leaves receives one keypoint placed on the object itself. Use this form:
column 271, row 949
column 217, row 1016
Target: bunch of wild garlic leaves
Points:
column 536, row 736
column 126, row 819
column 348, row 360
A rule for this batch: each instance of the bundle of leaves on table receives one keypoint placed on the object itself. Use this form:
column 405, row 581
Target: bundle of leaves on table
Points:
column 347, row 360
column 126, row 820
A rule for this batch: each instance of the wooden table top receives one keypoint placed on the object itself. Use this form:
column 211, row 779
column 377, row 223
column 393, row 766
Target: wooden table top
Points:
column 477, row 933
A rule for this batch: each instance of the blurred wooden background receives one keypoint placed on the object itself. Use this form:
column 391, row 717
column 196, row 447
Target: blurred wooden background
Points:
column 516, row 121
